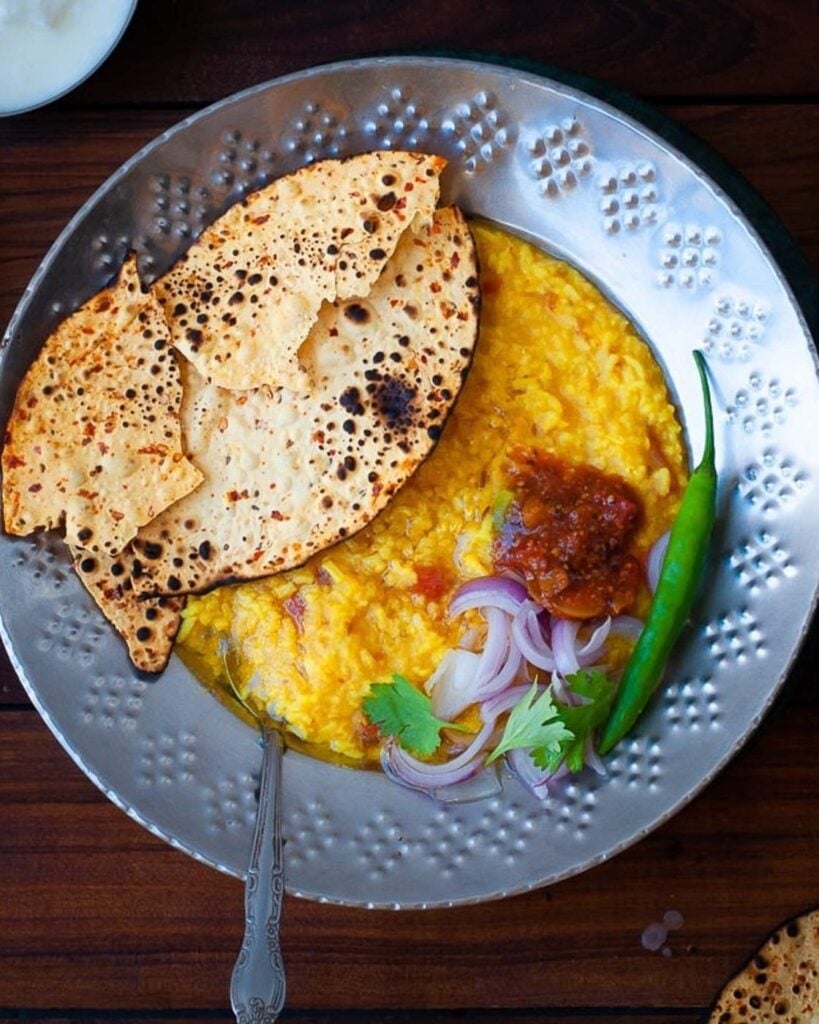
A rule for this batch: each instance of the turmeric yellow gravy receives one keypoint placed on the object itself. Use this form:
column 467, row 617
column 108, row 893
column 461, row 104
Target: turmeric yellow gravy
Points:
column 556, row 367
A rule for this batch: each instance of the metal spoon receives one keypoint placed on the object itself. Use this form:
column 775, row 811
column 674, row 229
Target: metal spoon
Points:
column 257, row 985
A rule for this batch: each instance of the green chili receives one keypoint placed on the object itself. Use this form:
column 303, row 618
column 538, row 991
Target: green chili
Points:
column 677, row 587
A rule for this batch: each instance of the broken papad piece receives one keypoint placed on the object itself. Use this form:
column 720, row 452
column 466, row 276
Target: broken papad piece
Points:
column 147, row 626
column 780, row 984
column 94, row 440
column 288, row 475
column 246, row 294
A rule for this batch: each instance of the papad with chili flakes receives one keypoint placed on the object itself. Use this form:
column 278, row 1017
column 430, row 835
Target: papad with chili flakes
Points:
column 94, row 441
column 780, row 985
column 287, row 474
column 244, row 297
column 148, row 626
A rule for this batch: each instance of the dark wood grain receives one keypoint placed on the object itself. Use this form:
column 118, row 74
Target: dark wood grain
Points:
column 666, row 1016
column 186, row 51
column 99, row 913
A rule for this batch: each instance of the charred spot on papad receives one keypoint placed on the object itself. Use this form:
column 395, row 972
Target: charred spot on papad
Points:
column 247, row 293
column 287, row 475
column 94, row 439
column 324, row 324
column 147, row 626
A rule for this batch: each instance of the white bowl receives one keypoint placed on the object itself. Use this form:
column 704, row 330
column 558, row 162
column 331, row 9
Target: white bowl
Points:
column 85, row 68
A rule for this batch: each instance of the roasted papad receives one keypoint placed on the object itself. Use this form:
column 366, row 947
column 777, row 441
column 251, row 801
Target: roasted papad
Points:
column 286, row 474
column 780, row 985
column 94, row 440
column 148, row 626
column 246, row 294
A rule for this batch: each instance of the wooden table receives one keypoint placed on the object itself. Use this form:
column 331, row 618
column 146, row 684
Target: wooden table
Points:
column 96, row 915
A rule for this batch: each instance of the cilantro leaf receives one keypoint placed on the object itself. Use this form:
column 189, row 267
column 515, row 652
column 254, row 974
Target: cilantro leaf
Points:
column 402, row 711
column 533, row 723
column 580, row 719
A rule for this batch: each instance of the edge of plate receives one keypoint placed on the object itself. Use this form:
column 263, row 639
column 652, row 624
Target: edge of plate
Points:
column 655, row 135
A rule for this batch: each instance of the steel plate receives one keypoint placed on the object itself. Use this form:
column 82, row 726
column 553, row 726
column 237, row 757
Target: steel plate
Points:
column 598, row 189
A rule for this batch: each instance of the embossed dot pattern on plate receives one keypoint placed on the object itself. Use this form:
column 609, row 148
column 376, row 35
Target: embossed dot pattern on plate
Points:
column 636, row 764
column 630, row 197
column 42, row 556
column 735, row 328
column 773, row 483
column 689, row 257
column 310, row 831
column 230, row 803
column 240, row 165
column 182, row 209
column 559, row 156
column 109, row 252
column 68, row 631
column 761, row 562
column 480, row 129
column 379, row 844
column 735, row 636
column 576, row 806
column 762, row 405
column 316, row 132
column 113, row 701
column 692, row 704
column 507, row 827
column 167, row 758
column 399, row 122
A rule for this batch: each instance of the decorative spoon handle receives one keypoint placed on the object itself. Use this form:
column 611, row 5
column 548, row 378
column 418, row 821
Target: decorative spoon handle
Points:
column 257, row 985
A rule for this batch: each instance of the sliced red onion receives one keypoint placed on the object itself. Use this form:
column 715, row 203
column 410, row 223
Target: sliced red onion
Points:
column 587, row 654
column 469, row 641
column 488, row 592
column 494, row 678
column 490, row 709
column 564, row 639
column 505, row 675
column 482, row 786
column 499, row 661
column 322, row 576
column 562, row 693
column 538, row 779
column 592, row 759
column 410, row 771
column 523, row 674
column 527, row 635
column 295, row 607
column 452, row 685
column 495, row 646
column 404, row 769
column 534, row 778
column 627, row 625
column 559, row 690
column 655, row 560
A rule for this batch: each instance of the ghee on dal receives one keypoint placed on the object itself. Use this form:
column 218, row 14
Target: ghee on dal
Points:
column 556, row 367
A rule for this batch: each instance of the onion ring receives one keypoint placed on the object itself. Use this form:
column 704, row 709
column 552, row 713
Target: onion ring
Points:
column 488, row 592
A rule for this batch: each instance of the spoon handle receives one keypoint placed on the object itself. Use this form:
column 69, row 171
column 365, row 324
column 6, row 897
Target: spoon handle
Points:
column 257, row 985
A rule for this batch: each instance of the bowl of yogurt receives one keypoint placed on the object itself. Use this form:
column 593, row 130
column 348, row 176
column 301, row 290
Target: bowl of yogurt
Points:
column 47, row 47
